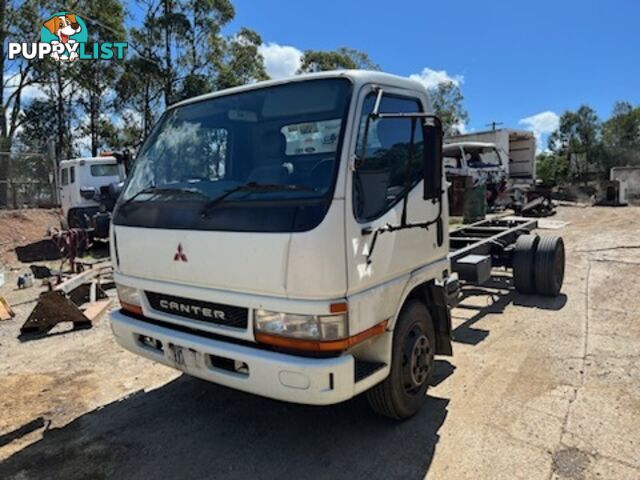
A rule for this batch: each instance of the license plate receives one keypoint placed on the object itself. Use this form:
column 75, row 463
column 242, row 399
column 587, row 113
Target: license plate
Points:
column 182, row 357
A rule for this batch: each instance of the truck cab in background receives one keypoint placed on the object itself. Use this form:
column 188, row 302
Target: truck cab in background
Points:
column 516, row 166
column 85, row 185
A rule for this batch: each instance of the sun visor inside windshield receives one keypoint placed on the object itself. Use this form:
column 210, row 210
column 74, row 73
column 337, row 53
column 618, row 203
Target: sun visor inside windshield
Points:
column 306, row 97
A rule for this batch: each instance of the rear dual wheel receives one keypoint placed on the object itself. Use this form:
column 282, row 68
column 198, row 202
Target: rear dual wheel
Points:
column 550, row 260
column 538, row 265
column 524, row 255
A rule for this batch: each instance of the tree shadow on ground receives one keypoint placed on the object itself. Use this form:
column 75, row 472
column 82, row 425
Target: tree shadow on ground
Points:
column 189, row 428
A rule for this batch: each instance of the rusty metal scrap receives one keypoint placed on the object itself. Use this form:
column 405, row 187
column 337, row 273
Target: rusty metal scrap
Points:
column 63, row 303
column 72, row 243
column 53, row 308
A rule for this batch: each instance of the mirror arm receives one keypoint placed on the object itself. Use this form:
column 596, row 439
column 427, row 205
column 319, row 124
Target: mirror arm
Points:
column 394, row 228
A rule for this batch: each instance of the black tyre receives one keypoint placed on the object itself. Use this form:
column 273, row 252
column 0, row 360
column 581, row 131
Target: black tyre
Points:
column 403, row 392
column 549, row 269
column 524, row 255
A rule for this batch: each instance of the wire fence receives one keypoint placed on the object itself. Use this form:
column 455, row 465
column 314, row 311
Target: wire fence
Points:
column 27, row 179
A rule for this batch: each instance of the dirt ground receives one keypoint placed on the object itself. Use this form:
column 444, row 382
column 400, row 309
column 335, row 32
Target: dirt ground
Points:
column 537, row 389
column 21, row 227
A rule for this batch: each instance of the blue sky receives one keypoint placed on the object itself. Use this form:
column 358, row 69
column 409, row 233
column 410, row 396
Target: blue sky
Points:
column 514, row 60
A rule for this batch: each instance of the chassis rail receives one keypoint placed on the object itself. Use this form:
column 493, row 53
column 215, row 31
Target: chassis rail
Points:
column 476, row 248
column 488, row 237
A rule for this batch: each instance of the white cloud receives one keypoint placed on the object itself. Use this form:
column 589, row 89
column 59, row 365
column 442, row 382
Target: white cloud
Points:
column 432, row 78
column 542, row 124
column 280, row 60
column 460, row 127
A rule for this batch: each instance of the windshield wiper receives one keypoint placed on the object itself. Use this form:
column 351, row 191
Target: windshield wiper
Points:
column 254, row 187
column 153, row 191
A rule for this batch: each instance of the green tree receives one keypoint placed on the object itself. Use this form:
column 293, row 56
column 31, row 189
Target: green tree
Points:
column 16, row 18
column 447, row 101
column 579, row 140
column 205, row 44
column 242, row 63
column 343, row 58
column 36, row 118
column 551, row 169
column 139, row 87
column 95, row 79
column 621, row 136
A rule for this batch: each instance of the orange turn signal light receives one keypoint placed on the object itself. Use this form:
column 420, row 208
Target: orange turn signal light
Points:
column 338, row 308
column 320, row 345
column 128, row 307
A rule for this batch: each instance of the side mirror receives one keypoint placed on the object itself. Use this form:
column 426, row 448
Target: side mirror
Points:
column 87, row 193
column 124, row 157
column 432, row 158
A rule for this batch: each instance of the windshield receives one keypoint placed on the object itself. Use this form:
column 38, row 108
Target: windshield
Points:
column 104, row 170
column 285, row 135
column 482, row 157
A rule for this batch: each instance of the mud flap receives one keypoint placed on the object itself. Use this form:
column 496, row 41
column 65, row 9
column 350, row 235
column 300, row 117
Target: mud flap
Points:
column 441, row 312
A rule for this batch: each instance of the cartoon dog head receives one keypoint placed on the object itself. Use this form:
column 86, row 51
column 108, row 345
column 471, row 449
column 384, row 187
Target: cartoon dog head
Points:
column 63, row 26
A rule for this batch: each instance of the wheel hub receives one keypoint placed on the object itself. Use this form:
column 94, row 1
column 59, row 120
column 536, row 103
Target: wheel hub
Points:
column 417, row 356
column 419, row 364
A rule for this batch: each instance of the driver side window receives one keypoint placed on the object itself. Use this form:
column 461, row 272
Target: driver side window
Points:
column 390, row 163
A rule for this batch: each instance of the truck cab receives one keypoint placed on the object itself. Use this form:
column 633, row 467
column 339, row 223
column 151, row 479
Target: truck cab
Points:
column 480, row 160
column 84, row 185
column 289, row 239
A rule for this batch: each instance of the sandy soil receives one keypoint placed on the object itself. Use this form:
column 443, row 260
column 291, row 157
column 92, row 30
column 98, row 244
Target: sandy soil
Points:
column 537, row 388
column 22, row 227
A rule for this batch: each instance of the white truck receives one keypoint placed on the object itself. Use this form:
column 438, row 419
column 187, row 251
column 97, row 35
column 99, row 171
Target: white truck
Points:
column 85, row 183
column 480, row 160
column 290, row 239
column 516, row 148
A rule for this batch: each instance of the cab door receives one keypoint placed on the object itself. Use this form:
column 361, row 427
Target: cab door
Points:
column 65, row 194
column 388, row 167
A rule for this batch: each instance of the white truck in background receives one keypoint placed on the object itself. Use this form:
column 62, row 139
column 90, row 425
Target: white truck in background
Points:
column 290, row 239
column 88, row 185
column 517, row 150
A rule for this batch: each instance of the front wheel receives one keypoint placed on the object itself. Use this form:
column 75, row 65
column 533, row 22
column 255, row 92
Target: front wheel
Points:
column 403, row 392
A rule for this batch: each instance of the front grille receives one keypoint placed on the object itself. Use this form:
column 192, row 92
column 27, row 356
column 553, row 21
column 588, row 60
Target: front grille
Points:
column 214, row 313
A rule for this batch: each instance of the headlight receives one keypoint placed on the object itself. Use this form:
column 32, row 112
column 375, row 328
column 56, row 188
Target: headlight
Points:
column 129, row 299
column 304, row 327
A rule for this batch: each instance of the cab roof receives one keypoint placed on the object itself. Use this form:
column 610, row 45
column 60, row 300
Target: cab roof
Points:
column 468, row 144
column 89, row 160
column 357, row 77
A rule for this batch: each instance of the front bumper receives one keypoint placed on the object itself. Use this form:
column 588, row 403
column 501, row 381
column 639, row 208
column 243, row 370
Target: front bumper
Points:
column 313, row 381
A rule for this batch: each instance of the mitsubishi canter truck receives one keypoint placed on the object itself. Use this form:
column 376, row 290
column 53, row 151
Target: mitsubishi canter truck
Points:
column 290, row 239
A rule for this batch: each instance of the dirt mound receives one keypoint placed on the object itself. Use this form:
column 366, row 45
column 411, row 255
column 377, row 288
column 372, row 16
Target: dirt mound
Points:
column 22, row 227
